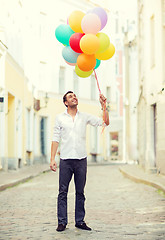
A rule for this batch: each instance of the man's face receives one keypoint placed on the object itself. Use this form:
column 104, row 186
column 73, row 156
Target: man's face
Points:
column 71, row 100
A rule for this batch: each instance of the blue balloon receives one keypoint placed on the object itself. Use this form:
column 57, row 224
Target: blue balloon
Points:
column 69, row 55
column 63, row 33
column 97, row 63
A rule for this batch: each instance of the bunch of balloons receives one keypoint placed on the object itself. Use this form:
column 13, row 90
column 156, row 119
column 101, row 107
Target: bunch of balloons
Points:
column 84, row 45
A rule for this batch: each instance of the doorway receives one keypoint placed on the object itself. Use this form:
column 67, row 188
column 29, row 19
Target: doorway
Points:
column 43, row 138
column 154, row 132
column 114, row 149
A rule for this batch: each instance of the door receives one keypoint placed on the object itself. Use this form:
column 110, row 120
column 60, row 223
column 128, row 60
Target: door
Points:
column 43, row 136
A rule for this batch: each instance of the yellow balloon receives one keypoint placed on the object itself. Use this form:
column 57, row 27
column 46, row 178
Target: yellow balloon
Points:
column 89, row 44
column 104, row 42
column 75, row 21
column 81, row 73
column 107, row 54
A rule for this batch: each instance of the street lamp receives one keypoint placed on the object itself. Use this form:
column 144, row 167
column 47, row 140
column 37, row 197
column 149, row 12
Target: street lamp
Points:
column 37, row 105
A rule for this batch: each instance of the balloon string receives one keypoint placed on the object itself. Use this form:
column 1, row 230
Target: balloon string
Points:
column 97, row 81
column 104, row 108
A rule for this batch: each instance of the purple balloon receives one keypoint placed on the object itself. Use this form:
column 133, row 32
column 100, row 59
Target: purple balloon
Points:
column 101, row 13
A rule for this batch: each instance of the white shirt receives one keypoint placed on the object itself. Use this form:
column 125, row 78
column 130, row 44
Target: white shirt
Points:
column 72, row 133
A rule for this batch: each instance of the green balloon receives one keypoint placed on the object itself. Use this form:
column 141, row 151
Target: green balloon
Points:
column 97, row 63
column 63, row 33
column 81, row 73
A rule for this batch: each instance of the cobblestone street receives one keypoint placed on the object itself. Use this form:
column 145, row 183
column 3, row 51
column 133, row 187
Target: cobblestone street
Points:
column 116, row 208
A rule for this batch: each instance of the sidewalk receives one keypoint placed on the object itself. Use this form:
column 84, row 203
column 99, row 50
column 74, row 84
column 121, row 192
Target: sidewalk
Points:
column 137, row 174
column 14, row 177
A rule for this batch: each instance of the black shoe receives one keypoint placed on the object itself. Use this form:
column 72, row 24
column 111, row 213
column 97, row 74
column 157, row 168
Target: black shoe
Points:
column 83, row 226
column 61, row 227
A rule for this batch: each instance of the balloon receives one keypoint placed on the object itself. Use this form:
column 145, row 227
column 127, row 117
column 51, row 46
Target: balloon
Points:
column 75, row 21
column 107, row 54
column 75, row 42
column 81, row 73
column 91, row 23
column 63, row 33
column 85, row 46
column 69, row 55
column 101, row 13
column 89, row 43
column 97, row 63
column 86, row 62
column 71, row 64
column 104, row 42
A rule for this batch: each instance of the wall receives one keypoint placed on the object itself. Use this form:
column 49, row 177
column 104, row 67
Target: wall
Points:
column 151, row 84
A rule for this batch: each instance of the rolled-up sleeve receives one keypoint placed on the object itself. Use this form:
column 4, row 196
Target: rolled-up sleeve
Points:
column 94, row 121
column 56, row 131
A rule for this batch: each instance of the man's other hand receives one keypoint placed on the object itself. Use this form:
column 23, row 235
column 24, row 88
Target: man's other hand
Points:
column 53, row 165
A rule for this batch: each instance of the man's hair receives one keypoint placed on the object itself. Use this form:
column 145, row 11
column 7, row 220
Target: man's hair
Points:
column 64, row 97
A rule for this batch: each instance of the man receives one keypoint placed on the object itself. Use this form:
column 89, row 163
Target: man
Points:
column 70, row 129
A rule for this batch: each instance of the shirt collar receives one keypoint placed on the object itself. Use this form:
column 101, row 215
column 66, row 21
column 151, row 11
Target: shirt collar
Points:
column 66, row 112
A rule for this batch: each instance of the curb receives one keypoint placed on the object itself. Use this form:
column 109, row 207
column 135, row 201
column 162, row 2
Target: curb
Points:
column 13, row 184
column 144, row 181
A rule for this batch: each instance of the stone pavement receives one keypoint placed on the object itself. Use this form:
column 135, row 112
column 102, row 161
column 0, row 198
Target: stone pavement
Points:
column 116, row 208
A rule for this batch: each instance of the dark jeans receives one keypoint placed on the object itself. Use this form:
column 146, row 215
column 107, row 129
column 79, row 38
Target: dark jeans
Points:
column 68, row 167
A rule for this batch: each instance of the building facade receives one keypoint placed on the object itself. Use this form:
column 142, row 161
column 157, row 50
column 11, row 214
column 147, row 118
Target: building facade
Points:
column 151, row 101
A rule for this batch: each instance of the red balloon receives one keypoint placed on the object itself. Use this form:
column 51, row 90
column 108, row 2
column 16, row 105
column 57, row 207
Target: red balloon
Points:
column 74, row 42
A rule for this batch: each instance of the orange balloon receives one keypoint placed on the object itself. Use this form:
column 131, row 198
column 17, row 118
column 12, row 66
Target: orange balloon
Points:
column 89, row 43
column 86, row 62
column 107, row 54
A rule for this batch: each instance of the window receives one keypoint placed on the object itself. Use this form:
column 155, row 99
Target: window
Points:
column 117, row 25
column 152, row 39
column 42, row 74
column 1, row 104
column 42, row 26
column 35, row 133
column 163, row 34
column 108, row 94
column 117, row 65
column 28, row 132
column 62, row 80
column 75, row 83
column 163, row 12
column 93, row 87
column 93, row 143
